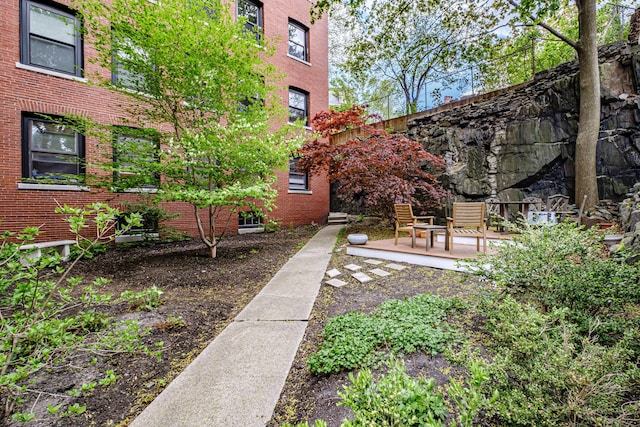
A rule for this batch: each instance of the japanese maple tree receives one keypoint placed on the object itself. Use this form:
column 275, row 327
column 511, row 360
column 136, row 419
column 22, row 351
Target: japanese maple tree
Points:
column 380, row 167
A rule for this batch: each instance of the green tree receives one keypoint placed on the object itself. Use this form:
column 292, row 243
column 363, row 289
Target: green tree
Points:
column 586, row 47
column 537, row 13
column 198, row 78
column 428, row 39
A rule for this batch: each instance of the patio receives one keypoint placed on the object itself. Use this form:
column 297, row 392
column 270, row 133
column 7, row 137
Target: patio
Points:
column 436, row 256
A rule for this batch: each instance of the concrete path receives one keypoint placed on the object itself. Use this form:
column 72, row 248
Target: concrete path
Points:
column 236, row 381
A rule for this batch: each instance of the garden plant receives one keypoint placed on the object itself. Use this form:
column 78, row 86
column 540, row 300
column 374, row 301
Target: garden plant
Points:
column 46, row 315
column 550, row 339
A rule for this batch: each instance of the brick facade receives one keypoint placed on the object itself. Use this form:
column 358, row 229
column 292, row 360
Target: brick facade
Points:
column 30, row 90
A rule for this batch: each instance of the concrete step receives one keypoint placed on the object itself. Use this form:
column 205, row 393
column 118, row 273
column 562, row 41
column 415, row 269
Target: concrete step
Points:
column 337, row 218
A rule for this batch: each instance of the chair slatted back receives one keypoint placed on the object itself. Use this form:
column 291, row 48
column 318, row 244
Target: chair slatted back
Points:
column 404, row 214
column 558, row 203
column 534, row 204
column 468, row 214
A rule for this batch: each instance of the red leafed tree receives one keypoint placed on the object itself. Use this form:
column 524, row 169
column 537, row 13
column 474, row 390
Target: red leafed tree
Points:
column 380, row 167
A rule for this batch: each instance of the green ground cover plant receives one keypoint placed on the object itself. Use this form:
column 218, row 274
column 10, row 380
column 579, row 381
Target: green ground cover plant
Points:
column 356, row 339
column 547, row 373
column 46, row 315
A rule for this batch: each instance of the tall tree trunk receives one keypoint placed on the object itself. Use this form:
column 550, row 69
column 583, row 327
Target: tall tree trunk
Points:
column 586, row 180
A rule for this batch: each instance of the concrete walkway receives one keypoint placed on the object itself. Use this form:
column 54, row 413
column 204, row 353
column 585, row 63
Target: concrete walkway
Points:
column 237, row 379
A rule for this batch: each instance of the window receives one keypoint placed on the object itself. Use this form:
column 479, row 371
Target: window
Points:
column 51, row 151
column 148, row 230
column 133, row 151
column 252, row 10
column 297, row 180
column 122, row 74
column 298, row 41
column 298, row 106
column 249, row 220
column 50, row 39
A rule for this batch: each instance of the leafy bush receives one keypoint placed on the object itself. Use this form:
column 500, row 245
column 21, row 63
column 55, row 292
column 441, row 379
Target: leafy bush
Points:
column 37, row 296
column 547, row 374
column 563, row 266
column 145, row 300
column 356, row 339
column 396, row 399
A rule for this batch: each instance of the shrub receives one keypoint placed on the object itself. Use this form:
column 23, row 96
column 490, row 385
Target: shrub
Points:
column 45, row 316
column 563, row 266
column 396, row 399
column 548, row 374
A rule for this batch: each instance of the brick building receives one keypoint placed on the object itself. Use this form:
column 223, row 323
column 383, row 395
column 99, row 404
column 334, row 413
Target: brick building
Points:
column 54, row 83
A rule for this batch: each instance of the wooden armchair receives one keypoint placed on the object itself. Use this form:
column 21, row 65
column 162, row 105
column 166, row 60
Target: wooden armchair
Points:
column 469, row 221
column 559, row 203
column 405, row 220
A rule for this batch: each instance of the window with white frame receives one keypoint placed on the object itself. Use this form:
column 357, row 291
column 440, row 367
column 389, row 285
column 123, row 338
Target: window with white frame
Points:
column 298, row 106
column 252, row 11
column 298, row 180
column 249, row 220
column 134, row 150
column 50, row 38
column 52, row 152
column 298, row 41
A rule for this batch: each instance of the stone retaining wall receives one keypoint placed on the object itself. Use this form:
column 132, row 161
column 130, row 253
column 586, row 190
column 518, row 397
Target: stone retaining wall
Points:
column 520, row 142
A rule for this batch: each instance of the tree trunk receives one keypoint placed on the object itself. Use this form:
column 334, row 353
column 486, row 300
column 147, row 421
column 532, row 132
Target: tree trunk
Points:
column 586, row 181
column 211, row 243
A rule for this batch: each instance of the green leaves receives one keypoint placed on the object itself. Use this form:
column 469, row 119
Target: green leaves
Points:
column 357, row 339
column 396, row 399
column 44, row 317
column 195, row 74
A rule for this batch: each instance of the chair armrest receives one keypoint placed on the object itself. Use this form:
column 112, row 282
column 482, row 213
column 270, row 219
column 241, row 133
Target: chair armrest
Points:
column 428, row 217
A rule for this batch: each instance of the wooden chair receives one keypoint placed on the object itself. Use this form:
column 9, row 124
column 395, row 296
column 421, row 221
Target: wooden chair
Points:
column 559, row 203
column 468, row 221
column 405, row 219
column 533, row 204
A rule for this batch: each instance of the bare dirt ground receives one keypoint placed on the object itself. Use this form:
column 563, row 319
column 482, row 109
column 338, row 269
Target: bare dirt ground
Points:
column 205, row 295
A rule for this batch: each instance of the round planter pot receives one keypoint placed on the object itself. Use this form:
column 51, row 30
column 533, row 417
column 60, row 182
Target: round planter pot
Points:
column 357, row 239
column 612, row 239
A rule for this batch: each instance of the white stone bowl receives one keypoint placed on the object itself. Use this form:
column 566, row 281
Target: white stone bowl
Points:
column 357, row 239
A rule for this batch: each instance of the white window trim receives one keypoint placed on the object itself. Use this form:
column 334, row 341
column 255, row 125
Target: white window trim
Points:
column 299, row 60
column 300, row 192
column 51, row 187
column 51, row 72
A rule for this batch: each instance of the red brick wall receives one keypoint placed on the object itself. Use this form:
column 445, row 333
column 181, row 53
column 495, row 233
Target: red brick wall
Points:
column 30, row 91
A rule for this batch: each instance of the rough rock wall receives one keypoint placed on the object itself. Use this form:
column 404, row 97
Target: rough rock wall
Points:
column 521, row 142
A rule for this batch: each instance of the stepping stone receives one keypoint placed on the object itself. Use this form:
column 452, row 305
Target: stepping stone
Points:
column 336, row 283
column 333, row 273
column 352, row 267
column 373, row 261
column 380, row 272
column 361, row 277
column 396, row 267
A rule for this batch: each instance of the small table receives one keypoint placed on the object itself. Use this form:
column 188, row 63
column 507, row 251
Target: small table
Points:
column 429, row 234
